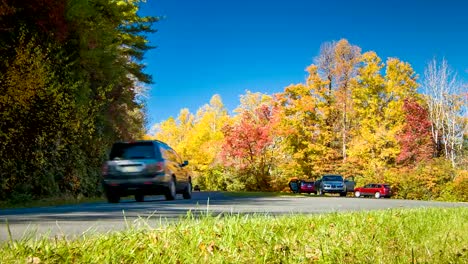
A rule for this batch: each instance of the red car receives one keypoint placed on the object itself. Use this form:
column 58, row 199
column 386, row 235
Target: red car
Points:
column 307, row 187
column 374, row 189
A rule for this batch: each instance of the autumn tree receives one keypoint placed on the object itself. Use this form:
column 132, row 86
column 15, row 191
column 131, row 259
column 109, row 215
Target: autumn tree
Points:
column 337, row 64
column 248, row 147
column 167, row 131
column 315, row 115
column 415, row 138
column 204, row 144
column 252, row 100
column 198, row 138
column 379, row 113
column 70, row 79
column 447, row 109
column 176, row 132
column 303, row 111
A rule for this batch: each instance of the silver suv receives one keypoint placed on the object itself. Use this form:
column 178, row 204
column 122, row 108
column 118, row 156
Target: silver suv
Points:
column 145, row 167
column 331, row 184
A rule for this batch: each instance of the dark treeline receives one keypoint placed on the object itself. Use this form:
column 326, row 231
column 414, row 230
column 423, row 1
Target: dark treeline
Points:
column 70, row 85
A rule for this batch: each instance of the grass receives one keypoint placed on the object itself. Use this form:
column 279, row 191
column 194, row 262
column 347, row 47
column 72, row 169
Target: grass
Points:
column 432, row 235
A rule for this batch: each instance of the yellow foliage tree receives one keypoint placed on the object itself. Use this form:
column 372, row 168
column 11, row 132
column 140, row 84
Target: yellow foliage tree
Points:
column 379, row 116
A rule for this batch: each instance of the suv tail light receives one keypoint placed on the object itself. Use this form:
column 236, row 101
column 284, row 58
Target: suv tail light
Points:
column 156, row 167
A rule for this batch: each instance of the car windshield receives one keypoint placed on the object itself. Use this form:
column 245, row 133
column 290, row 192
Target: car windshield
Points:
column 138, row 150
column 332, row 178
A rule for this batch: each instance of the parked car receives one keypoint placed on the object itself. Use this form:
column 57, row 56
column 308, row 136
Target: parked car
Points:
column 307, row 187
column 145, row 167
column 374, row 189
column 294, row 184
column 331, row 183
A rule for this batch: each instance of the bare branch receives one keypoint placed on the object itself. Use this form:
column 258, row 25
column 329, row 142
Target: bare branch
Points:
column 447, row 107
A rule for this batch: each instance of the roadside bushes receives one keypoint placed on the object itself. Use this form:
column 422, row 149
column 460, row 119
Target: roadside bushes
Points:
column 70, row 79
column 456, row 190
column 432, row 180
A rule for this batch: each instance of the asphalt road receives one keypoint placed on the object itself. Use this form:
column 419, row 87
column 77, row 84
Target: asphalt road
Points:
column 84, row 219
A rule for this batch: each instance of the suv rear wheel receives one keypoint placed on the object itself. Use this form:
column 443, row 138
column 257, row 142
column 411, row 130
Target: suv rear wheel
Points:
column 171, row 190
column 139, row 197
column 112, row 198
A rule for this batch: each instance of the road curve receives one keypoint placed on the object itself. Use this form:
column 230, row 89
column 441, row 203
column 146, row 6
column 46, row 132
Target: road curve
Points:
column 72, row 221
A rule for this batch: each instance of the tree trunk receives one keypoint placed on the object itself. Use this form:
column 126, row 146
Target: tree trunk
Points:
column 344, row 132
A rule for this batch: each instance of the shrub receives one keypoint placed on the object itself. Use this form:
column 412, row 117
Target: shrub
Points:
column 432, row 180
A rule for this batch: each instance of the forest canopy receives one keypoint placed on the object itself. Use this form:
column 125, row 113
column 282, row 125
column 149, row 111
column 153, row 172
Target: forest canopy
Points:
column 354, row 114
column 70, row 85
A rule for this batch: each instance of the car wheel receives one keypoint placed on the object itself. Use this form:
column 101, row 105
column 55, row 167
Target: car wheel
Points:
column 187, row 194
column 377, row 195
column 343, row 194
column 139, row 197
column 171, row 190
column 357, row 194
column 113, row 198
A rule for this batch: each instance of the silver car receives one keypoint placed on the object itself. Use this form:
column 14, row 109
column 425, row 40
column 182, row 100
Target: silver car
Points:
column 146, row 167
column 331, row 183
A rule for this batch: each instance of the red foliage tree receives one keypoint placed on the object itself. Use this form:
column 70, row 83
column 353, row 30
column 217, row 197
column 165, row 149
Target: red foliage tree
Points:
column 247, row 144
column 415, row 139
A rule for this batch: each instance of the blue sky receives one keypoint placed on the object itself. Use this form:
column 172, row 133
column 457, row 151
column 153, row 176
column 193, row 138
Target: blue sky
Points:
column 207, row 47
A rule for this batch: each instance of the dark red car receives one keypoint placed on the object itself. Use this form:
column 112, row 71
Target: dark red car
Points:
column 307, row 187
column 374, row 189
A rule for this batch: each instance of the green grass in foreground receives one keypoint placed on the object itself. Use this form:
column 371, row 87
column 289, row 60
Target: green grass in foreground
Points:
column 391, row 236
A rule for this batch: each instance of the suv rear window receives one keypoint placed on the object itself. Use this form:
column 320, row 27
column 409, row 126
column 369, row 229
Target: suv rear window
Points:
column 137, row 150
column 332, row 178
